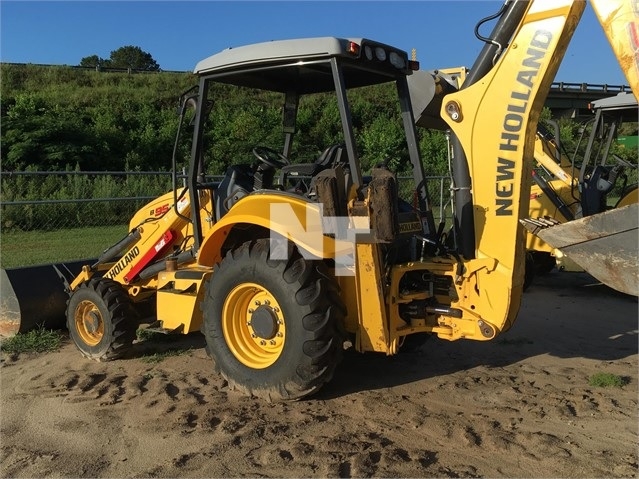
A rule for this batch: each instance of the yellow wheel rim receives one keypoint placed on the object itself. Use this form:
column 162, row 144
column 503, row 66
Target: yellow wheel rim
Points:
column 89, row 323
column 253, row 325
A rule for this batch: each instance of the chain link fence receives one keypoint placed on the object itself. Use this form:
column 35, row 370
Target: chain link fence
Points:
column 64, row 216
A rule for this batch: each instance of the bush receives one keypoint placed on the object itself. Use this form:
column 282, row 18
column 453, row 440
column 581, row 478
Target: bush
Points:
column 606, row 380
column 35, row 341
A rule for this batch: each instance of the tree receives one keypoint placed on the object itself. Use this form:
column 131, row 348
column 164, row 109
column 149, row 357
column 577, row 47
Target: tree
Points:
column 92, row 61
column 125, row 57
column 134, row 58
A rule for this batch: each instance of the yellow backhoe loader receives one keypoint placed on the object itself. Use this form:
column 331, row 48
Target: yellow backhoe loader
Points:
column 566, row 189
column 280, row 279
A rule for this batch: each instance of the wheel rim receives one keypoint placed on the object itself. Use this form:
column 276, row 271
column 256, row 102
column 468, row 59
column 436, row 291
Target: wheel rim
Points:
column 89, row 323
column 253, row 325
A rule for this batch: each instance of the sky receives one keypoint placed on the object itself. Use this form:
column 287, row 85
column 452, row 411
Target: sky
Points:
column 178, row 34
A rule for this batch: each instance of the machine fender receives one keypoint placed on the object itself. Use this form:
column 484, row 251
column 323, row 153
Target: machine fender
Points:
column 630, row 197
column 284, row 215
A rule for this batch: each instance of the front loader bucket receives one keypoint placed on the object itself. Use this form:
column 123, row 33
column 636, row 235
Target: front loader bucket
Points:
column 35, row 296
column 606, row 245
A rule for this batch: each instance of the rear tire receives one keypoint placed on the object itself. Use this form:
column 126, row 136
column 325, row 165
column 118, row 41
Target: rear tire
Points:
column 100, row 319
column 273, row 327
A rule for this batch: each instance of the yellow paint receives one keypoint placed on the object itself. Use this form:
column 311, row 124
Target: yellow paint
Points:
column 629, row 198
column 507, row 101
column 179, row 299
column 293, row 218
column 373, row 332
column 620, row 21
column 243, row 341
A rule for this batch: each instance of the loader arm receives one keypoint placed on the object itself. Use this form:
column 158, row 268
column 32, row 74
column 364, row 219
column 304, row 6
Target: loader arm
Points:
column 493, row 119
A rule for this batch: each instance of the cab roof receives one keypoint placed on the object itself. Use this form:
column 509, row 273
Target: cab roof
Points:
column 619, row 101
column 301, row 64
column 275, row 51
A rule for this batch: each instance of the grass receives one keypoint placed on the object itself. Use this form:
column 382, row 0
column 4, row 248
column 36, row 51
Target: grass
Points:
column 607, row 380
column 28, row 248
column 159, row 357
column 35, row 341
column 161, row 340
column 144, row 334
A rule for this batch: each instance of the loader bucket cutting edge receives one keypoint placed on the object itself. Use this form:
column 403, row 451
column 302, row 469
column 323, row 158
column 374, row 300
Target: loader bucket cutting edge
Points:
column 605, row 245
column 34, row 296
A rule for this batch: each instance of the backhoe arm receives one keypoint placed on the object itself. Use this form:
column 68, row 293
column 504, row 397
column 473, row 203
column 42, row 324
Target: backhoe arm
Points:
column 620, row 21
column 493, row 118
column 494, row 123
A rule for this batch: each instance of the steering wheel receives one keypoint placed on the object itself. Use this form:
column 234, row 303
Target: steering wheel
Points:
column 270, row 157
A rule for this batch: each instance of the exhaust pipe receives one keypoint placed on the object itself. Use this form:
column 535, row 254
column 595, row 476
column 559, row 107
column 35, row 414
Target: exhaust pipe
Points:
column 35, row 296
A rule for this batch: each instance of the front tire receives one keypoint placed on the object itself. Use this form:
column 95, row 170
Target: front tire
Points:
column 273, row 327
column 100, row 319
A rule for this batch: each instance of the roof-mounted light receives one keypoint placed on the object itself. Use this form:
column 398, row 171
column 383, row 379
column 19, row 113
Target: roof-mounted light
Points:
column 368, row 51
column 380, row 54
column 353, row 48
column 397, row 60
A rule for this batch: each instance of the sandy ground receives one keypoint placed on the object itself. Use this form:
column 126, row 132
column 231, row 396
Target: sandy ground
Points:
column 519, row 406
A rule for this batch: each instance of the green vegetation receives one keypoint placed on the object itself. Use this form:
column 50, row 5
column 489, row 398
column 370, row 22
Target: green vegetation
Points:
column 63, row 118
column 607, row 380
column 56, row 118
column 144, row 334
column 35, row 341
column 40, row 247
column 128, row 56
column 161, row 356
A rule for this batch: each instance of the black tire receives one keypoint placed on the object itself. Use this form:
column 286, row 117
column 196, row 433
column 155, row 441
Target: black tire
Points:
column 544, row 262
column 273, row 327
column 101, row 319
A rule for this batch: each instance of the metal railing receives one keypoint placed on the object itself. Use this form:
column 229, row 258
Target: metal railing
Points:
column 567, row 87
column 45, row 201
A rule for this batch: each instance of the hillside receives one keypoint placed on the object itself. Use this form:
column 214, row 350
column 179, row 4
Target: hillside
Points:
column 62, row 117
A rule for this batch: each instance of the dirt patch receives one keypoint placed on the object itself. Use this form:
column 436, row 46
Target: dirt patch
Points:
column 519, row 406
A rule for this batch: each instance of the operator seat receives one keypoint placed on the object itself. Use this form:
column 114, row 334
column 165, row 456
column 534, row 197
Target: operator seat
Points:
column 330, row 157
